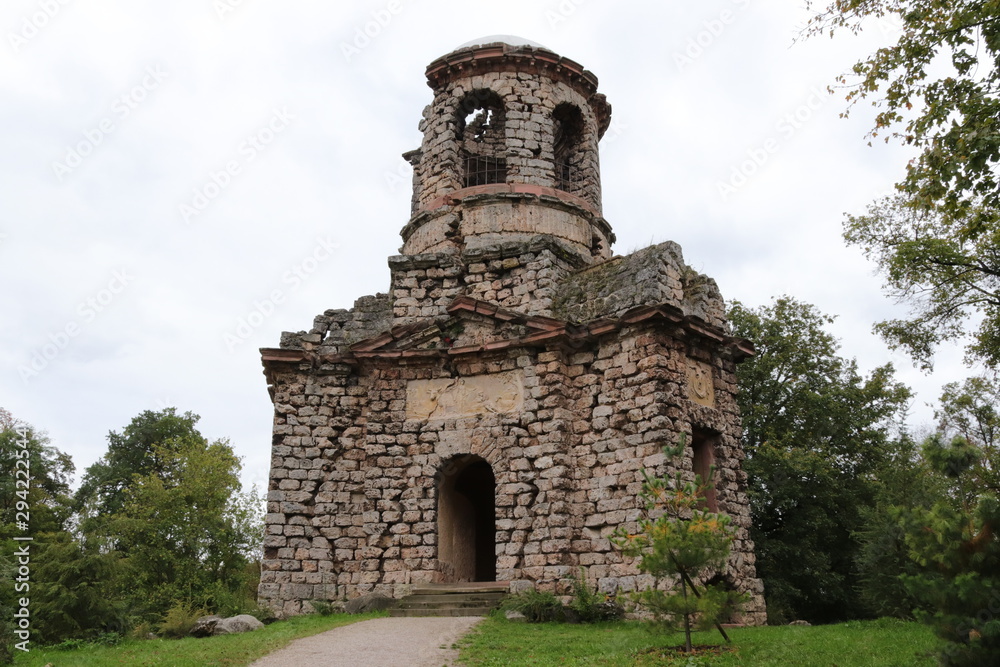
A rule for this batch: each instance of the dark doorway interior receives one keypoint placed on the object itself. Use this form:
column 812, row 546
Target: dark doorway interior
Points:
column 467, row 520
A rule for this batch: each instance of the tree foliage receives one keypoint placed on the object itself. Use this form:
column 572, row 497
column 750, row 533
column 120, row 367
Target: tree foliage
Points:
column 930, row 549
column 186, row 531
column 972, row 410
column 956, row 544
column 35, row 485
column 816, row 432
column 907, row 479
column 936, row 89
column 160, row 521
column 77, row 591
column 937, row 242
column 146, row 446
column 169, row 501
column 949, row 278
column 49, row 471
column 678, row 537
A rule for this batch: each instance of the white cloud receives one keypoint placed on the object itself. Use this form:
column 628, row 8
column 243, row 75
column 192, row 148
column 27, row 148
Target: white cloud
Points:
column 677, row 133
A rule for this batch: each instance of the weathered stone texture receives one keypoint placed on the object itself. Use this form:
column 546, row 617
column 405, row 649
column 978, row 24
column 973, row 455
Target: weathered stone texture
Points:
column 656, row 274
column 352, row 501
column 509, row 340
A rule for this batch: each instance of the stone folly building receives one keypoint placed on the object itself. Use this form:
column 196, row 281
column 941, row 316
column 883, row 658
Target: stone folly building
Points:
column 488, row 419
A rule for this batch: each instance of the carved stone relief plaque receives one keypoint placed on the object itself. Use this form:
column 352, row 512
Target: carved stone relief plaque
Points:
column 701, row 388
column 456, row 398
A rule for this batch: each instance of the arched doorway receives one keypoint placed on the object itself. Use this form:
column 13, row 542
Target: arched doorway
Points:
column 467, row 519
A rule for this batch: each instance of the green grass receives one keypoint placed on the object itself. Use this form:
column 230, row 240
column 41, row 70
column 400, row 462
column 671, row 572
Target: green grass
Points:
column 881, row 643
column 228, row 650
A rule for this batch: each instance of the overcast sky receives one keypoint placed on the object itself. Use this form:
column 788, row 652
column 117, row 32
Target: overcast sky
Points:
column 182, row 181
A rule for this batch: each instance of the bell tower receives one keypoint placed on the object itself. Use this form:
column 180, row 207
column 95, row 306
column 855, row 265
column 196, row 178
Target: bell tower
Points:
column 509, row 159
column 516, row 124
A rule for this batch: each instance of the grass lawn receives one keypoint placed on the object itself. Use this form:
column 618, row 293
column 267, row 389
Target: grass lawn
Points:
column 229, row 650
column 882, row 643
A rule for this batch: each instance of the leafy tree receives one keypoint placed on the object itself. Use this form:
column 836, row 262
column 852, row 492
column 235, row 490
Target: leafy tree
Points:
column 946, row 273
column 678, row 537
column 972, row 410
column 932, row 546
column 905, row 479
column 936, row 88
column 815, row 432
column 45, row 491
column 187, row 532
column 166, row 524
column 41, row 492
column 146, row 446
column 169, row 502
column 76, row 592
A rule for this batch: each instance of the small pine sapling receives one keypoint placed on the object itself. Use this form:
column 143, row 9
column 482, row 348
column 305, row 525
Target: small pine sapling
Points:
column 677, row 536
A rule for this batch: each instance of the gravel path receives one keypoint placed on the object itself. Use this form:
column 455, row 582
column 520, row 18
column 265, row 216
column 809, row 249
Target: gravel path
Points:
column 380, row 642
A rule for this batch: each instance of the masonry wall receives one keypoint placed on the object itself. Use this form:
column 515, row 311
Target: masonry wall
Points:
column 352, row 504
column 519, row 275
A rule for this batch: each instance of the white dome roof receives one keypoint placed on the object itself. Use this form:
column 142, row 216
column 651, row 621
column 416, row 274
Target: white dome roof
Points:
column 513, row 40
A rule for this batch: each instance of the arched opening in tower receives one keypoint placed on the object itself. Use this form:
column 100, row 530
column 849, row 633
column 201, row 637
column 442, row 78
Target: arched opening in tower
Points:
column 568, row 147
column 466, row 517
column 482, row 139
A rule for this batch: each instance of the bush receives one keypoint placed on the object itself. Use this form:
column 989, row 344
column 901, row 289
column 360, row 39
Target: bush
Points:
column 70, row 645
column 590, row 606
column 142, row 631
column 537, row 606
column 107, row 639
column 325, row 607
column 263, row 613
column 179, row 620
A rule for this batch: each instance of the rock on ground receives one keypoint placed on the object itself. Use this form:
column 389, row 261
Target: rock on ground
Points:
column 205, row 626
column 237, row 624
column 370, row 602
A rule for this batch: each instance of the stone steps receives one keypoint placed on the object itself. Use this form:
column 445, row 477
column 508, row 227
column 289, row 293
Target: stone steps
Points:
column 463, row 599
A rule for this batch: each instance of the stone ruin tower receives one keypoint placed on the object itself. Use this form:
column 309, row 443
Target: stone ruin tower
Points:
column 488, row 418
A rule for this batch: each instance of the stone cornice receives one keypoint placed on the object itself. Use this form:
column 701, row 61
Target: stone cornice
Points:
column 473, row 60
column 508, row 192
column 547, row 332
